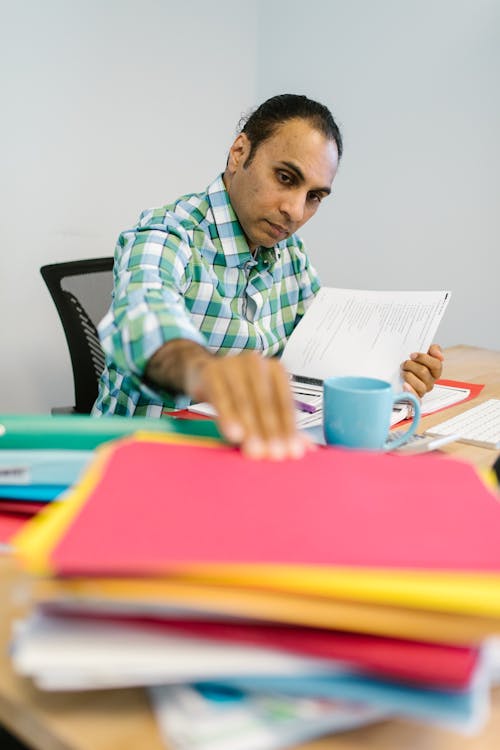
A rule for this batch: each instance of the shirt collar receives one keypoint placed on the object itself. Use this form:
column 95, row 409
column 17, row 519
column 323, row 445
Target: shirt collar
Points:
column 226, row 232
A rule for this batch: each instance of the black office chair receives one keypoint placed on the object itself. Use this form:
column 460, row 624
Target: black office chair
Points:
column 81, row 290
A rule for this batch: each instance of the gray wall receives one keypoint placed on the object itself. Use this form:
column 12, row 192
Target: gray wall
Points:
column 108, row 107
column 415, row 85
column 111, row 106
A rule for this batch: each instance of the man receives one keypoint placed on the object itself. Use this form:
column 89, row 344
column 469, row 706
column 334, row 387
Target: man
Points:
column 223, row 272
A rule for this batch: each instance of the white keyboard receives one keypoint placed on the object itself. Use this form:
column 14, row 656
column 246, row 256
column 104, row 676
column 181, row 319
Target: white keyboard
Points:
column 479, row 425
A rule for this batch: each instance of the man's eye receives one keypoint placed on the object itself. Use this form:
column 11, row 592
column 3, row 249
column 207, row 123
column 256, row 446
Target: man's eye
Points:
column 315, row 197
column 284, row 178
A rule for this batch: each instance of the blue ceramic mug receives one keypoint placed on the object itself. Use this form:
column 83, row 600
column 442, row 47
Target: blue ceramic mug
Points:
column 357, row 413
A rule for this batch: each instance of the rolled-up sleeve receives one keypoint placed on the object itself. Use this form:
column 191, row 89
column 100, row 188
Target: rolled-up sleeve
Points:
column 152, row 272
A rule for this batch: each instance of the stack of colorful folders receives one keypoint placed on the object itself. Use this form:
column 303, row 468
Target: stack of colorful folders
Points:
column 42, row 456
column 364, row 584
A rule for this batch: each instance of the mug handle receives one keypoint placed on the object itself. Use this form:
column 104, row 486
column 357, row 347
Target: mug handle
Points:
column 413, row 400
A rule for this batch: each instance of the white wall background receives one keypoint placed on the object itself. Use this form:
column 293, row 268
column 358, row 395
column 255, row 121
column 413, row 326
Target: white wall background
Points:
column 110, row 106
column 415, row 85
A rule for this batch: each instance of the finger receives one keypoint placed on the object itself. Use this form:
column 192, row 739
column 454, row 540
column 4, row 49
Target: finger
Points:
column 269, row 391
column 241, row 394
column 264, row 427
column 419, row 373
column 414, row 384
column 436, row 351
column 224, row 393
column 432, row 364
column 408, row 389
column 283, row 399
column 290, row 441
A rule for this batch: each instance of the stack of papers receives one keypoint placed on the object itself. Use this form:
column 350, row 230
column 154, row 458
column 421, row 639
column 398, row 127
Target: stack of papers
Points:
column 309, row 401
column 215, row 717
column 444, row 394
column 337, row 587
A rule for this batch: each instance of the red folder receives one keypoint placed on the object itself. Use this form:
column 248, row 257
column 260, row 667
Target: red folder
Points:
column 10, row 524
column 432, row 664
column 161, row 505
column 22, row 507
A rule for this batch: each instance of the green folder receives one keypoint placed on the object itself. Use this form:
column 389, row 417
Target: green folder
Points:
column 83, row 432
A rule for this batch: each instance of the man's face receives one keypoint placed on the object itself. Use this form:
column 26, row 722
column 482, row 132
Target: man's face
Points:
column 282, row 187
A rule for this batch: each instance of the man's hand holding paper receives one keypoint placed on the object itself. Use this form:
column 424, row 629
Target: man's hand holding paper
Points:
column 421, row 371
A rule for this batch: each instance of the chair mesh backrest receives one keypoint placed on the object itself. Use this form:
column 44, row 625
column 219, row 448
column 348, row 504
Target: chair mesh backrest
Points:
column 81, row 291
column 89, row 331
column 93, row 290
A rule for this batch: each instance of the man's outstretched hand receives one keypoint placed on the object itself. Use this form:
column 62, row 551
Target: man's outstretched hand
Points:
column 250, row 394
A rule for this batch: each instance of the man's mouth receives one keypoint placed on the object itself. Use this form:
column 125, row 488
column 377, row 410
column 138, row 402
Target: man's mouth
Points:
column 277, row 230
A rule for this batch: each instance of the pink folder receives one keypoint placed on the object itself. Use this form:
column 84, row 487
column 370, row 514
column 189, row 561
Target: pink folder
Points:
column 158, row 506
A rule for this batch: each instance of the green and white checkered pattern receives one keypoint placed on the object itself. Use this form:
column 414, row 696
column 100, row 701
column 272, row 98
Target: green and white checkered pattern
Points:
column 185, row 271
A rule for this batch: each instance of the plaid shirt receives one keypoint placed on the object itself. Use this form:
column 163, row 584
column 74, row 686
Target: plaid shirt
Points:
column 185, row 271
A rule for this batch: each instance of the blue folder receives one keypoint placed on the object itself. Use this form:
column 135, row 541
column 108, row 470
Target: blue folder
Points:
column 51, row 467
column 32, row 492
column 465, row 710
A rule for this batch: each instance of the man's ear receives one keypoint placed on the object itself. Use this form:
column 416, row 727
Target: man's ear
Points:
column 238, row 153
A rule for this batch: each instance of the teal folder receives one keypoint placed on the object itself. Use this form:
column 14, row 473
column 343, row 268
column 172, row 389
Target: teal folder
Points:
column 83, row 432
column 32, row 492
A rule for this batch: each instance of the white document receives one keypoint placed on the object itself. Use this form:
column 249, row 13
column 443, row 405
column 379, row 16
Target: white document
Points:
column 357, row 332
column 307, row 410
column 69, row 653
column 443, row 396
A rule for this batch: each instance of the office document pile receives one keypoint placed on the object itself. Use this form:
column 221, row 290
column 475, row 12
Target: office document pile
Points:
column 264, row 605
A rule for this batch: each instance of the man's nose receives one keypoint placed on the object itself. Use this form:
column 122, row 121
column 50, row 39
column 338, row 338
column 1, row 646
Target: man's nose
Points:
column 293, row 205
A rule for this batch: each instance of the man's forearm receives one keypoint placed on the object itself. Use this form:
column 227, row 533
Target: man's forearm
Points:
column 175, row 365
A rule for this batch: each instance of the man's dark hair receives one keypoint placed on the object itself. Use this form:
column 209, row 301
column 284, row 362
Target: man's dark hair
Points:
column 262, row 123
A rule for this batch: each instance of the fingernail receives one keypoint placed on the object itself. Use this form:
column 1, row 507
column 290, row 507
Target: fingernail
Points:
column 407, row 388
column 233, row 432
column 414, row 355
column 309, row 445
column 276, row 450
column 297, row 448
column 254, row 448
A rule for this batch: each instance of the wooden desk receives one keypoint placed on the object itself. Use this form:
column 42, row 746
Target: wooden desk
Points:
column 122, row 720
